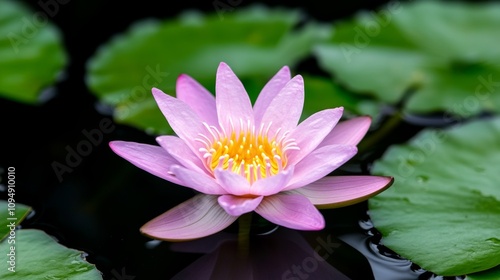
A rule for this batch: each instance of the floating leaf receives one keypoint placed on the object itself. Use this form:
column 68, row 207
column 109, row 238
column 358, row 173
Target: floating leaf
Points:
column 443, row 211
column 14, row 214
column 322, row 93
column 255, row 41
column 444, row 53
column 39, row 255
column 31, row 52
column 491, row 274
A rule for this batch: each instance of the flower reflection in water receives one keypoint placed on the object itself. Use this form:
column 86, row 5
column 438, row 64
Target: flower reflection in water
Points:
column 282, row 254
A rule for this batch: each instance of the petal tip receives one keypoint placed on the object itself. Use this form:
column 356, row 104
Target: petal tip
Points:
column 156, row 91
column 285, row 70
column 338, row 110
column 144, row 229
column 389, row 183
column 112, row 145
column 160, row 139
column 317, row 224
column 299, row 78
column 182, row 77
column 367, row 118
column 147, row 230
column 223, row 67
column 115, row 145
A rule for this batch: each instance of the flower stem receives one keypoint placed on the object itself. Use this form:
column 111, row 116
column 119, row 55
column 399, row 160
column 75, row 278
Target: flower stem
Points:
column 382, row 132
column 244, row 223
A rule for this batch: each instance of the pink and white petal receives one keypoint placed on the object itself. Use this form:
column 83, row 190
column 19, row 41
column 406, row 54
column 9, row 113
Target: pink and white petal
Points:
column 183, row 120
column 197, row 217
column 232, row 101
column 340, row 191
column 198, row 98
column 237, row 205
column 153, row 159
column 269, row 91
column 273, row 184
column 198, row 181
column 285, row 109
column 311, row 132
column 291, row 211
column 179, row 150
column 231, row 182
column 349, row 132
column 320, row 163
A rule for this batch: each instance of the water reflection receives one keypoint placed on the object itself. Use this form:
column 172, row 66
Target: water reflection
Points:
column 386, row 264
column 282, row 254
column 345, row 251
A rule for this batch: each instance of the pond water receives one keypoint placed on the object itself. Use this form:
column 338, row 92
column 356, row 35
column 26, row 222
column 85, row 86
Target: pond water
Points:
column 101, row 201
column 100, row 205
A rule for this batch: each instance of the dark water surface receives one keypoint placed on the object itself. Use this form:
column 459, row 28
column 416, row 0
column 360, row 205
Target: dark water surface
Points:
column 99, row 206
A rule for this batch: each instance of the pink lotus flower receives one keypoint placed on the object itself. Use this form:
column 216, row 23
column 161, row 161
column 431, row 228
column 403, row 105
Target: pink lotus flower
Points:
column 243, row 158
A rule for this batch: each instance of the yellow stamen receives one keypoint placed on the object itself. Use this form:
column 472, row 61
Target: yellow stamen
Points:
column 245, row 152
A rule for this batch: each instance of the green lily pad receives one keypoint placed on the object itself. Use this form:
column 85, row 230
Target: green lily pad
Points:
column 322, row 93
column 32, row 55
column 491, row 274
column 38, row 255
column 468, row 28
column 255, row 41
column 430, row 55
column 443, row 211
column 15, row 214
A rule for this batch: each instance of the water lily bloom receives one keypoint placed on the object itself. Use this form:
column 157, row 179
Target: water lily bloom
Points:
column 242, row 158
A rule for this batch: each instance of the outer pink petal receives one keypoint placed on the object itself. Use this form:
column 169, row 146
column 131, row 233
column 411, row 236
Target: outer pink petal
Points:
column 233, row 103
column 152, row 159
column 291, row 211
column 285, row 109
column 273, row 184
column 311, row 132
column 232, row 182
column 184, row 121
column 198, row 98
column 339, row 191
column 269, row 92
column 319, row 163
column 179, row 150
column 348, row 132
column 197, row 217
column 236, row 205
column 197, row 181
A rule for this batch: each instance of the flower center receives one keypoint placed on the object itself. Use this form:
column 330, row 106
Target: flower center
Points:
column 247, row 152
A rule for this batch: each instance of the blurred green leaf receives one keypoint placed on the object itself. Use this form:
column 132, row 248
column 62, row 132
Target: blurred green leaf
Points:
column 431, row 56
column 20, row 211
column 443, row 211
column 322, row 93
column 32, row 55
column 464, row 31
column 39, row 255
column 255, row 41
column 363, row 71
